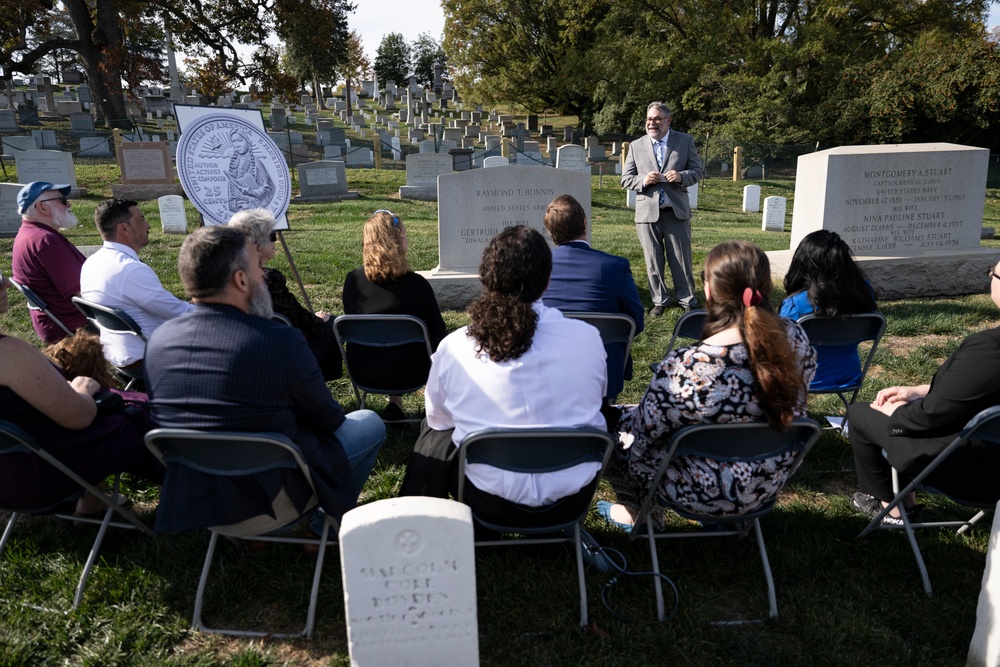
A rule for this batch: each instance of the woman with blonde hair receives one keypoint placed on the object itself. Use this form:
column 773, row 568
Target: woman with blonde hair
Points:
column 387, row 284
column 750, row 366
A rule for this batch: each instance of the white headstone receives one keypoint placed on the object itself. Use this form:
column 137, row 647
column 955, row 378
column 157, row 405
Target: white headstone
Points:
column 572, row 157
column 332, row 152
column 361, row 157
column 409, row 572
column 774, row 214
column 474, row 205
column 894, row 199
column 15, row 144
column 984, row 649
column 10, row 219
column 172, row 214
column 322, row 181
column 51, row 166
column 751, row 198
column 495, row 161
column 422, row 171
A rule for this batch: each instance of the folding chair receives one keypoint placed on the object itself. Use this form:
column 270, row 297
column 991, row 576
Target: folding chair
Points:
column 849, row 330
column 384, row 332
column 538, row 450
column 232, row 454
column 36, row 302
column 14, row 440
column 985, row 426
column 688, row 326
column 117, row 321
column 743, row 442
column 615, row 328
column 281, row 319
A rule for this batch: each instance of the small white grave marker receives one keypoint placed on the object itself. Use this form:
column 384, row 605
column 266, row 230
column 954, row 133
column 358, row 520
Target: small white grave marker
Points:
column 751, row 199
column 774, row 215
column 172, row 214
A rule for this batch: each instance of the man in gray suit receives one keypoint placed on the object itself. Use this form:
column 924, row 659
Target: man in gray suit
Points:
column 660, row 167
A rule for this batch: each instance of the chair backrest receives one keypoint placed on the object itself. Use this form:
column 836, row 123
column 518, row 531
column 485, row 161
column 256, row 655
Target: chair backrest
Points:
column 985, row 426
column 538, row 450
column 113, row 320
column 613, row 327
column 281, row 319
column 381, row 331
column 848, row 330
column 688, row 325
column 36, row 302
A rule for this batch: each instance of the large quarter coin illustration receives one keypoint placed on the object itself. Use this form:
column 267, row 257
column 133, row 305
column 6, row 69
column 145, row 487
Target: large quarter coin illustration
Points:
column 227, row 165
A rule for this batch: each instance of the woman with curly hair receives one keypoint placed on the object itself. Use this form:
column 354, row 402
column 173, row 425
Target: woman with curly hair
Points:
column 386, row 284
column 824, row 279
column 517, row 364
column 750, row 366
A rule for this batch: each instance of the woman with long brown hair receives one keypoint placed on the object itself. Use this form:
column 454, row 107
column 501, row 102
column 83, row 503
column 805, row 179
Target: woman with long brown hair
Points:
column 750, row 366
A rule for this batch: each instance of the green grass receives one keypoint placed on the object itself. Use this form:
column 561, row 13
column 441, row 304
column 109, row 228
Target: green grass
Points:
column 843, row 601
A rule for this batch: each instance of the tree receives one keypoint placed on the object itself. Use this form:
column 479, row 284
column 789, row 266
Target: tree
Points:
column 207, row 77
column 315, row 36
column 356, row 66
column 268, row 70
column 426, row 52
column 392, row 59
column 106, row 30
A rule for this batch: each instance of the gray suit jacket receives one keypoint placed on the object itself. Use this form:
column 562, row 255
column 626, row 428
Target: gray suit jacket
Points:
column 682, row 156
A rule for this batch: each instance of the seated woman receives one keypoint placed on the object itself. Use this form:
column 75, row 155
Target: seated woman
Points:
column 915, row 424
column 518, row 363
column 386, row 284
column 63, row 419
column 824, row 279
column 258, row 225
column 750, row 366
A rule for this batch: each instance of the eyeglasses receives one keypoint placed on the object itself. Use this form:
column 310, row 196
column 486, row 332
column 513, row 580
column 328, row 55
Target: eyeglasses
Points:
column 395, row 218
column 60, row 198
column 992, row 273
column 657, row 119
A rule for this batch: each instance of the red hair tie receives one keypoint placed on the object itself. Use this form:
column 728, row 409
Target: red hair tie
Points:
column 751, row 297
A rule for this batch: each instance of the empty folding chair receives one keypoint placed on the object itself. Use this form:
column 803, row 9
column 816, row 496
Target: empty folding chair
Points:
column 617, row 332
column 537, row 450
column 228, row 454
column 15, row 441
column 114, row 320
column 743, row 442
column 983, row 428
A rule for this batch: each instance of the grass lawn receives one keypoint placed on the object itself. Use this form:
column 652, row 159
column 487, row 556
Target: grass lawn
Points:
column 842, row 601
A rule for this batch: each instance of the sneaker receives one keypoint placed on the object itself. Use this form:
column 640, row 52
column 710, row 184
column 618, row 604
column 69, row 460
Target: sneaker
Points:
column 870, row 507
column 656, row 311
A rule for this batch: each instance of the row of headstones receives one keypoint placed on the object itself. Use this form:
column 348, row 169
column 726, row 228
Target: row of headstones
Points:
column 774, row 208
column 89, row 146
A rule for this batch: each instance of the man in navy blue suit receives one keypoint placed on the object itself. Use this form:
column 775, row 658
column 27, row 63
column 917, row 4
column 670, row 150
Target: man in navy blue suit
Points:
column 588, row 280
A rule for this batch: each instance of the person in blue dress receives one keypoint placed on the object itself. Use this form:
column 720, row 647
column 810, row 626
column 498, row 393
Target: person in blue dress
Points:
column 824, row 279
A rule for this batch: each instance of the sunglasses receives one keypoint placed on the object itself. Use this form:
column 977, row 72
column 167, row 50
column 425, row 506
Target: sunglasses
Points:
column 395, row 218
column 60, row 198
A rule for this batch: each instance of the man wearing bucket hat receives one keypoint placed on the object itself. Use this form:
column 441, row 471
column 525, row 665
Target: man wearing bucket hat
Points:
column 45, row 260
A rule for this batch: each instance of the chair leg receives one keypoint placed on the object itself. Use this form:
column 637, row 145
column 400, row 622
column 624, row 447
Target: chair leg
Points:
column 92, row 558
column 577, row 543
column 772, row 599
column 199, row 599
column 8, row 530
column 966, row 526
column 314, row 595
column 912, row 539
column 362, row 399
column 660, row 612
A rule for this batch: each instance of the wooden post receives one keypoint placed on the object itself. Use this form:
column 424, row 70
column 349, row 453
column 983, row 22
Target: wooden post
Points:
column 623, row 155
column 738, row 163
column 377, row 145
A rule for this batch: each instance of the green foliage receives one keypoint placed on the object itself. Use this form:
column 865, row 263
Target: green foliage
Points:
column 315, row 36
column 392, row 59
column 426, row 51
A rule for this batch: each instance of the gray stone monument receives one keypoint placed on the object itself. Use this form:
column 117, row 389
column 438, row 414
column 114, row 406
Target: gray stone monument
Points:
column 147, row 171
column 10, row 219
column 325, row 180
column 51, row 166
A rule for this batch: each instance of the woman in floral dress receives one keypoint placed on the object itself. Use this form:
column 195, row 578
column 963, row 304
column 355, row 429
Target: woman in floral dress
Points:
column 750, row 366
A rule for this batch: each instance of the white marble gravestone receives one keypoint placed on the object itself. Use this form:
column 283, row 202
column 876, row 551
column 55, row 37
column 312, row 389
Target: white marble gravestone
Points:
column 773, row 219
column 173, row 218
column 10, row 219
column 409, row 573
column 325, row 180
column 51, row 166
column 984, row 649
column 495, row 161
column 361, row 157
column 573, row 158
column 15, row 144
column 751, row 198
column 422, row 171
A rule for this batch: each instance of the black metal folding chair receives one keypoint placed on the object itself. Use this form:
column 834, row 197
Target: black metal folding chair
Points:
column 36, row 302
column 985, row 426
column 615, row 328
column 14, row 440
column 538, row 450
column 688, row 325
column 116, row 321
column 383, row 332
column 744, row 442
column 230, row 454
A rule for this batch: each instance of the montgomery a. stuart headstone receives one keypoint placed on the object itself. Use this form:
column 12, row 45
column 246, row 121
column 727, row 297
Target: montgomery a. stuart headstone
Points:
column 409, row 574
column 325, row 180
column 911, row 213
column 474, row 205
column 51, row 166
column 422, row 171
column 774, row 215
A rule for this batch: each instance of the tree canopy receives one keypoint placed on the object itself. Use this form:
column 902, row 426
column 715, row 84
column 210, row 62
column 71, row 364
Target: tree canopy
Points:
column 392, row 59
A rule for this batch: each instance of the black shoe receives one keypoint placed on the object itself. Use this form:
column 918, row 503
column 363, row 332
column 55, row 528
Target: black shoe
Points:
column 393, row 413
column 870, row 507
column 688, row 307
column 656, row 311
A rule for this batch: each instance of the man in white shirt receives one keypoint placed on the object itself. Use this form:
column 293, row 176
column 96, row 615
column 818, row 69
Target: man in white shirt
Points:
column 115, row 277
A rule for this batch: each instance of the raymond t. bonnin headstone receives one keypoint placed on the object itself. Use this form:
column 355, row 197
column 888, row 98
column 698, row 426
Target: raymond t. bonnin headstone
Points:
column 409, row 574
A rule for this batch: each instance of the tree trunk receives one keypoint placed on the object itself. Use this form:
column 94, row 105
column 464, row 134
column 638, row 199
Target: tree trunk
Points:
column 347, row 94
column 102, row 53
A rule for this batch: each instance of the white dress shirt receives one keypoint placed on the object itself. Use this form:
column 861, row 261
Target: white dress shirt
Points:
column 559, row 381
column 115, row 277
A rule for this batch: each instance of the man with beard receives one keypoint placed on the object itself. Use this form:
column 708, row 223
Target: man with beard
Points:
column 115, row 277
column 45, row 260
column 226, row 366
